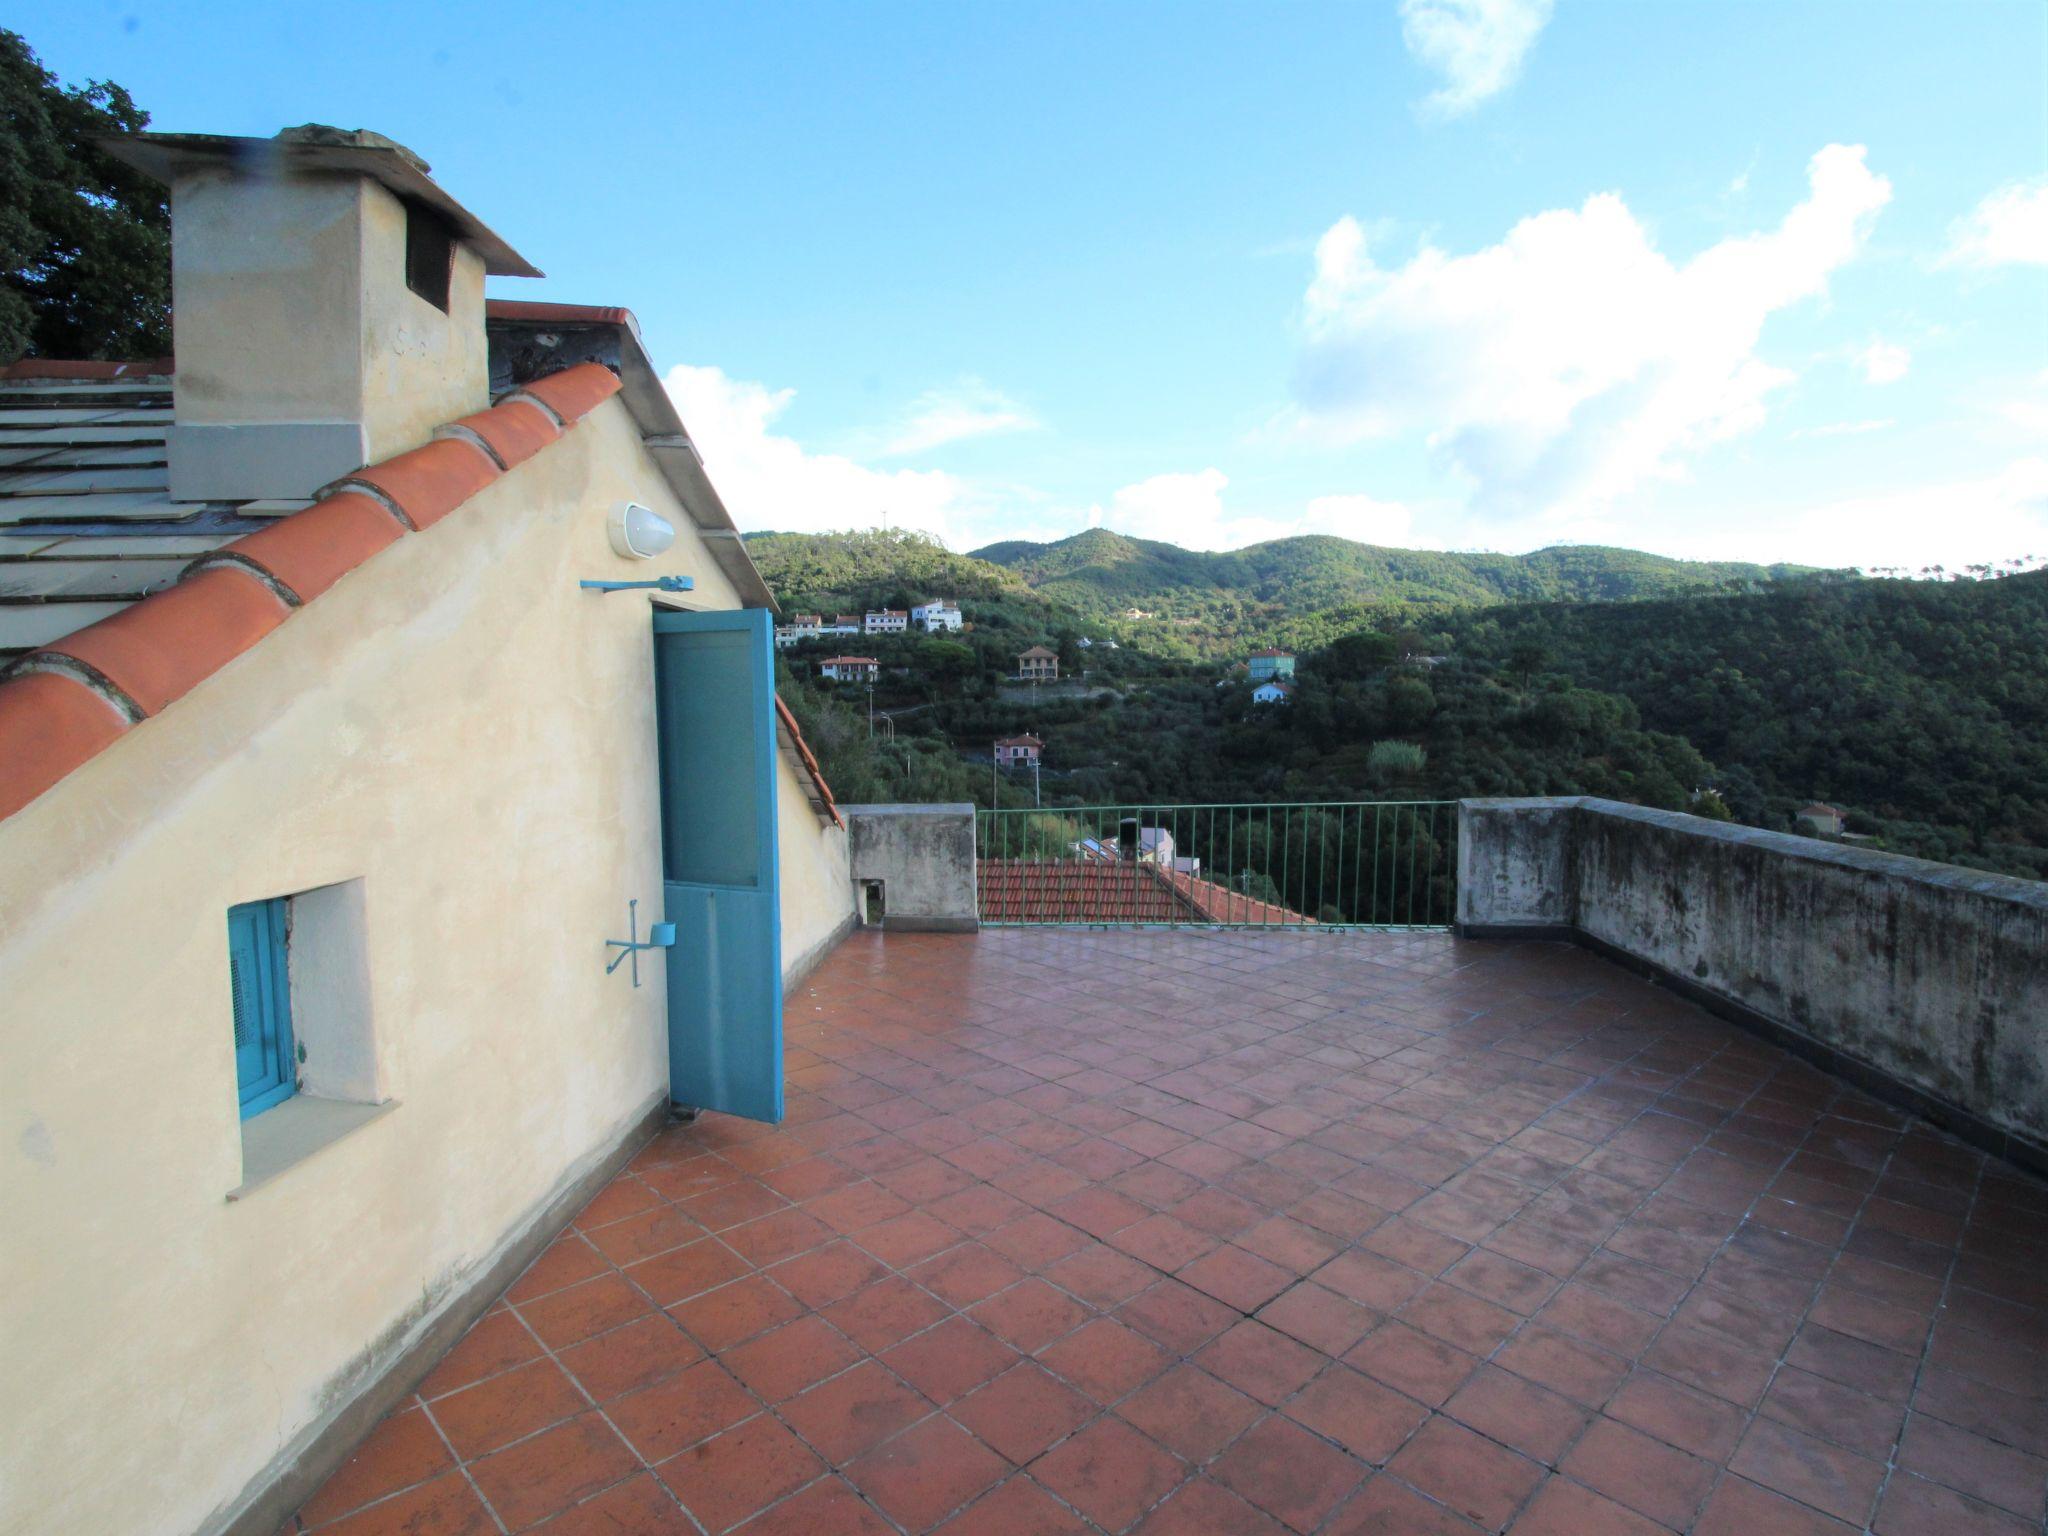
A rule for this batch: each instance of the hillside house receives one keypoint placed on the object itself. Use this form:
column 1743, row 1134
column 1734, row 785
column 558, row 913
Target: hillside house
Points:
column 886, row 621
column 1823, row 820
column 1269, row 664
column 1273, row 691
column 804, row 626
column 940, row 614
column 850, row 669
column 420, row 661
column 1038, row 665
column 842, row 624
column 1017, row 751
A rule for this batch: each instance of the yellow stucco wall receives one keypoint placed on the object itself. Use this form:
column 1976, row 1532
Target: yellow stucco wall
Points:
column 816, row 885
column 460, row 728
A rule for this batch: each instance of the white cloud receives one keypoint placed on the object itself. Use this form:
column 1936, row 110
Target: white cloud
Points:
column 1477, row 46
column 1180, row 508
column 1189, row 509
column 1364, row 518
column 2028, row 410
column 1573, row 360
column 1884, row 362
column 968, row 409
column 771, row 481
column 2009, row 227
column 1997, row 517
column 1844, row 428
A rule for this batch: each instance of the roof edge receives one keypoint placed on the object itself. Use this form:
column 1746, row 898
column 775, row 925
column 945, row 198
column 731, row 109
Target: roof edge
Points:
column 316, row 148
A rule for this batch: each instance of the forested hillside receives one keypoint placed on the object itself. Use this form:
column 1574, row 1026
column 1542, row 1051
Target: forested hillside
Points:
column 1919, row 707
column 1306, row 591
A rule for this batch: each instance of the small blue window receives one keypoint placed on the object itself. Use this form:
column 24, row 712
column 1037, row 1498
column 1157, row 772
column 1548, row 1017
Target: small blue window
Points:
column 263, row 1004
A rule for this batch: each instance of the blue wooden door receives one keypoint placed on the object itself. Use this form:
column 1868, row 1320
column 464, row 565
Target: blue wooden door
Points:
column 714, row 691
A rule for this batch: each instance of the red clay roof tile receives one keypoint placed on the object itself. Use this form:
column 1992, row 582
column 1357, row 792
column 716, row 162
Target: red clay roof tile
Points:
column 803, row 752
column 49, row 724
column 515, row 429
column 428, row 483
column 575, row 392
column 172, row 640
column 310, row 551
column 1112, row 891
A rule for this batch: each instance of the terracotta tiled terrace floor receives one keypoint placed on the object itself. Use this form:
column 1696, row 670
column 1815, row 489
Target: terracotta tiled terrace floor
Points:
column 1229, row 1233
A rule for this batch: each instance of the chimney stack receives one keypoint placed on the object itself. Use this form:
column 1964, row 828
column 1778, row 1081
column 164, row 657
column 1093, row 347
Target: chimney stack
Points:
column 327, row 306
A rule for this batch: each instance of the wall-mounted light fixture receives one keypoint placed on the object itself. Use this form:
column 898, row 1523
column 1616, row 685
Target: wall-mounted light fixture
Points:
column 639, row 533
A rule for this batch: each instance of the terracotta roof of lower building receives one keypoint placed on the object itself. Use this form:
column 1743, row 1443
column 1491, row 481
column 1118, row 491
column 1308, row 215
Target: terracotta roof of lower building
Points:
column 792, row 735
column 1094, row 890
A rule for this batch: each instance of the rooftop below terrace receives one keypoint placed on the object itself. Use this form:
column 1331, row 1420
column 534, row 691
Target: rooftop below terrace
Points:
column 1211, row 1231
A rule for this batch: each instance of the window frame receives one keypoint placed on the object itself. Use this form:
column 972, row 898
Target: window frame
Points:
column 259, row 939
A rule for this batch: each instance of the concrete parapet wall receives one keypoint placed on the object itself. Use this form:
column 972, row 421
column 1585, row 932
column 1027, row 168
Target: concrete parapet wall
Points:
column 924, row 857
column 1923, row 980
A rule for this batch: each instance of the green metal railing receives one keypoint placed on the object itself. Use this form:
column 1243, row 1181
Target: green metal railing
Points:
column 1354, row 864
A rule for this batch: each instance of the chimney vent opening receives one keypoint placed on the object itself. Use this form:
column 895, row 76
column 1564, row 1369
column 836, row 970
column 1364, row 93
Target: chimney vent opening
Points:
column 429, row 255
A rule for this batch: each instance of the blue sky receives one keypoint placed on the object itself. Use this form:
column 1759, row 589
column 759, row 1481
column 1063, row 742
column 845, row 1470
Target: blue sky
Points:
column 1762, row 281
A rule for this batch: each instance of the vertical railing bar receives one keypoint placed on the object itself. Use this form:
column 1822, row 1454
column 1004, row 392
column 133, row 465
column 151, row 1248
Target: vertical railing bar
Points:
column 1340, row 858
column 1375, row 864
column 1414, row 826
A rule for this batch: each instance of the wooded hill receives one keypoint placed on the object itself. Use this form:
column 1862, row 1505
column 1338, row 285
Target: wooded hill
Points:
column 1919, row 707
column 1305, row 591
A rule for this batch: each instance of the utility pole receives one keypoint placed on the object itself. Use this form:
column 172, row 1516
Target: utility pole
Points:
column 1035, row 800
column 871, row 711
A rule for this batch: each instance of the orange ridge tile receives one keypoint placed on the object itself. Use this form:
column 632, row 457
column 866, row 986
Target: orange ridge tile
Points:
column 310, row 551
column 49, row 724
column 428, row 483
column 164, row 646
column 574, row 392
column 514, row 430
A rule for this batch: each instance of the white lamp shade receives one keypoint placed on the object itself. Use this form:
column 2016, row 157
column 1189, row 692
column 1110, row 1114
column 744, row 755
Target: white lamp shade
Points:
column 638, row 532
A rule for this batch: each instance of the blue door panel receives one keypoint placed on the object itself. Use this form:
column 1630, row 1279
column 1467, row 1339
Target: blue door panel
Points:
column 714, row 678
column 725, row 1001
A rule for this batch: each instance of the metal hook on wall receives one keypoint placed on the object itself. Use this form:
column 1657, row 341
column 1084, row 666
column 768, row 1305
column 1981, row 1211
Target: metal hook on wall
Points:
column 659, row 936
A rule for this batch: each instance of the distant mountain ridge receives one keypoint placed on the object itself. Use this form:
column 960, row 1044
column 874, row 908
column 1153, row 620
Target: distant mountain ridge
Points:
column 1298, row 592
column 1106, row 572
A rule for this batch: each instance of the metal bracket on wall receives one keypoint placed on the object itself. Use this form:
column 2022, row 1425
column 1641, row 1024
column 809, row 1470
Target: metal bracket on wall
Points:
column 662, row 583
column 659, row 936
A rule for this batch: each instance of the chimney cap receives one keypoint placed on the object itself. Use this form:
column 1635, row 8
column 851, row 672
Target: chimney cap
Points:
column 317, row 147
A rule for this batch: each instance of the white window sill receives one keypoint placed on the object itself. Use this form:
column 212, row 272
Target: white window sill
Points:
column 295, row 1130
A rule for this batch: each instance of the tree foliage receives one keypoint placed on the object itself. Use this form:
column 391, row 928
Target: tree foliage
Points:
column 85, row 241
